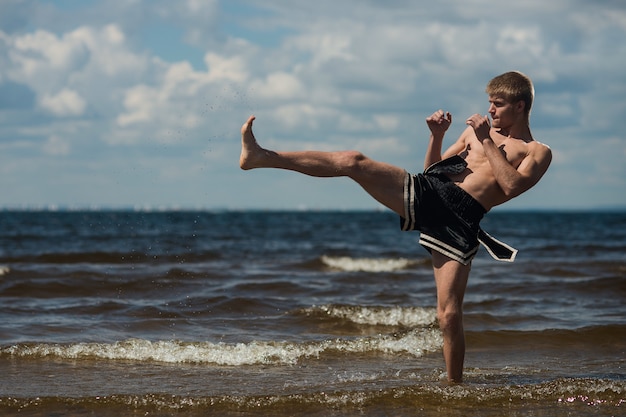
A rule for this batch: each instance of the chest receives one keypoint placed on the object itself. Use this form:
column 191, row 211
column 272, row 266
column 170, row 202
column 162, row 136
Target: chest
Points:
column 513, row 151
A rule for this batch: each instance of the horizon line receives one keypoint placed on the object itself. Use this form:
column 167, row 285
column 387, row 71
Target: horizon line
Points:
column 163, row 209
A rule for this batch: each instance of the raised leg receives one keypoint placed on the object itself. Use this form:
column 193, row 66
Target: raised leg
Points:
column 382, row 181
column 451, row 279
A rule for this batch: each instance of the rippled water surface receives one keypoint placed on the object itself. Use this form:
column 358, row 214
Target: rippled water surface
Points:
column 303, row 313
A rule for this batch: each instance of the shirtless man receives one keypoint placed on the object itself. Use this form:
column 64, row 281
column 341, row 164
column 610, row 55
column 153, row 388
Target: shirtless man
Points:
column 488, row 165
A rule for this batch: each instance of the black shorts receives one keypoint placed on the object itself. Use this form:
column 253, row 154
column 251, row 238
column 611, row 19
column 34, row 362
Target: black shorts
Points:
column 447, row 216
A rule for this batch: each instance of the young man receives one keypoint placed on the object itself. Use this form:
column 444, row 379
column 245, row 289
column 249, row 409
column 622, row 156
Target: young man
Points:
column 487, row 166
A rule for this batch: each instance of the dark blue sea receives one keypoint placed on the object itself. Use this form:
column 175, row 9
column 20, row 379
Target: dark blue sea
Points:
column 115, row 313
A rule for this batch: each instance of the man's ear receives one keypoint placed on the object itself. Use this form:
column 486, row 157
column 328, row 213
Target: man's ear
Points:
column 520, row 106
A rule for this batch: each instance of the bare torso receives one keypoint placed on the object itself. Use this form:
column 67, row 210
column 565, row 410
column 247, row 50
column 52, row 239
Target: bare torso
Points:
column 478, row 179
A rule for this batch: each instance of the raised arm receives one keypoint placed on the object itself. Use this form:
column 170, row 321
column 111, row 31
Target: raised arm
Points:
column 438, row 123
column 459, row 146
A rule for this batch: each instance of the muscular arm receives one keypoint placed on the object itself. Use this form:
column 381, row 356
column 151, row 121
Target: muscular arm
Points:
column 512, row 181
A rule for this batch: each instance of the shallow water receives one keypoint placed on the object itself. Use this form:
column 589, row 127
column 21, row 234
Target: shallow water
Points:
column 311, row 313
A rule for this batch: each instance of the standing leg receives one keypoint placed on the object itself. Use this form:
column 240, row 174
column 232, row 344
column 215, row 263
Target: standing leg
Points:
column 451, row 279
column 382, row 181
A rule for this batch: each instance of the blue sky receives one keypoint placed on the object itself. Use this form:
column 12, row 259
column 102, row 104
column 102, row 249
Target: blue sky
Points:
column 138, row 103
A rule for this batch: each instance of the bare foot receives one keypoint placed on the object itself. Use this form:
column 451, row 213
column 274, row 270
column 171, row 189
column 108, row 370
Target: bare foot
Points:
column 251, row 152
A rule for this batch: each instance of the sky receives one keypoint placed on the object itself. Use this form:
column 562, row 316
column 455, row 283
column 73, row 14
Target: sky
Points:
column 139, row 103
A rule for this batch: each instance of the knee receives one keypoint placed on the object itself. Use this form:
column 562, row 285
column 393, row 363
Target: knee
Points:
column 352, row 160
column 450, row 319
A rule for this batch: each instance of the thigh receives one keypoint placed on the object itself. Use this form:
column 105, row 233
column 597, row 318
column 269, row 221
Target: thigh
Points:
column 384, row 182
column 451, row 278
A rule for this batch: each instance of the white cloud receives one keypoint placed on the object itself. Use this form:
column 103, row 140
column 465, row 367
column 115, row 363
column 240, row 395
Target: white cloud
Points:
column 516, row 41
column 278, row 86
column 44, row 60
column 226, row 68
column 297, row 116
column 324, row 74
column 171, row 100
column 65, row 103
column 140, row 102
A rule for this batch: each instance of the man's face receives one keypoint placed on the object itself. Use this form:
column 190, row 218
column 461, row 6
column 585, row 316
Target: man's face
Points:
column 503, row 113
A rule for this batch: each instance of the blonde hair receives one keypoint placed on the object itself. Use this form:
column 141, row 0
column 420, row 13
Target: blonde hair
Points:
column 513, row 86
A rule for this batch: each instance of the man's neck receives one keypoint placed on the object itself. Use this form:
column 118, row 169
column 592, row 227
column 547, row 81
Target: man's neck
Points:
column 520, row 131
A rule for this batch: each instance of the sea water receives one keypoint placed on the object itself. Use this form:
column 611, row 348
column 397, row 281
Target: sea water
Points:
column 303, row 313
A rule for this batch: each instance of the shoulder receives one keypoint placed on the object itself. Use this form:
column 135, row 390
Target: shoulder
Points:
column 540, row 149
column 538, row 158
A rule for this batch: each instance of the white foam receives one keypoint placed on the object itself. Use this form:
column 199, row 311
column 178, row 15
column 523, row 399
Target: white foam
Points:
column 4, row 270
column 387, row 316
column 345, row 263
column 416, row 342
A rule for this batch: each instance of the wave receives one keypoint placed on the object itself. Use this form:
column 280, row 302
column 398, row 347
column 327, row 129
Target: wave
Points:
column 4, row 270
column 564, row 396
column 373, row 315
column 415, row 342
column 349, row 264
